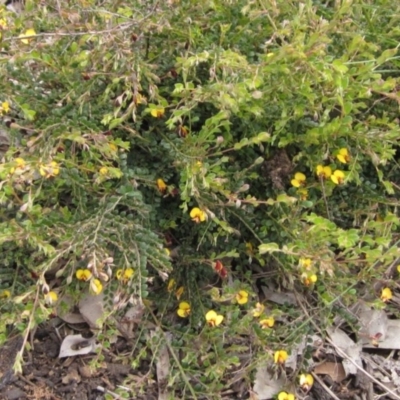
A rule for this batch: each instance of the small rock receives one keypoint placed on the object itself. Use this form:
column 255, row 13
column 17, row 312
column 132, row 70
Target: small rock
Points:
column 14, row 394
column 85, row 371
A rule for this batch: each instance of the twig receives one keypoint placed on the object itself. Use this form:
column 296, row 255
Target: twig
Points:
column 120, row 27
column 28, row 328
column 324, row 196
column 106, row 391
column 344, row 355
column 322, row 383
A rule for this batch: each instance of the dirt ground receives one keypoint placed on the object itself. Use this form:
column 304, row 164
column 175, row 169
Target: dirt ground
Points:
column 45, row 376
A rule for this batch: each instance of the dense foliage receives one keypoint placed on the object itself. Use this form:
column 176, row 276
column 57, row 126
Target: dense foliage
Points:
column 223, row 148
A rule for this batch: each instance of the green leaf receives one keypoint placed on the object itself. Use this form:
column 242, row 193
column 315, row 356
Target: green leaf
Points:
column 268, row 248
column 28, row 112
column 348, row 239
column 339, row 66
column 386, row 55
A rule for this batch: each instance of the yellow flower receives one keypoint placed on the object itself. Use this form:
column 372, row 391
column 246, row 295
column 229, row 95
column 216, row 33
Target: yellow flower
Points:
column 179, row 292
column 49, row 170
column 306, row 381
column 4, row 108
column 157, row 112
column 242, row 297
column 3, row 23
column 167, row 252
column 171, row 285
column 249, row 248
column 183, row 131
column 103, row 171
column 5, row 294
column 50, row 298
column 213, row 319
column 308, row 279
column 184, row 309
column 280, row 356
column 19, row 164
column 337, row 177
column 258, row 310
column 305, row 263
column 138, row 99
column 303, row 194
column 161, row 185
column 197, row 215
column 267, row 322
column 112, row 147
column 124, row 275
column 96, row 286
column 286, row 396
column 28, row 32
column 299, row 180
column 324, row 172
column 386, row 295
column 343, row 156
column 83, row 274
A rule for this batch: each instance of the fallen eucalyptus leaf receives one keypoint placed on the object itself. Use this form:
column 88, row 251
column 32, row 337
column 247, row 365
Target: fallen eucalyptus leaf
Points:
column 92, row 310
column 77, row 345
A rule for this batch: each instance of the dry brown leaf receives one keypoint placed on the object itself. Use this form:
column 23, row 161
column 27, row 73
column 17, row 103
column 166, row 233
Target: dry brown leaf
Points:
column 334, row 370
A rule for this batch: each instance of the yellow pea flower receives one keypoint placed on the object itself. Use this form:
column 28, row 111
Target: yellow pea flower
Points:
column 112, row 147
column 49, row 170
column 96, row 286
column 306, row 381
column 249, row 248
column 213, row 319
column 19, row 164
column 338, row 177
column 258, row 310
column 267, row 323
column 242, row 297
column 157, row 112
column 5, row 294
column 324, row 172
column 303, row 194
column 103, row 171
column 386, row 295
column 50, row 298
column 4, row 108
column 343, row 156
column 305, row 263
column 280, row 356
column 83, row 274
column 161, row 185
column 179, row 292
column 28, row 32
column 286, row 396
column 299, row 180
column 308, row 279
column 197, row 215
column 184, row 309
column 139, row 99
column 171, row 285
column 124, row 275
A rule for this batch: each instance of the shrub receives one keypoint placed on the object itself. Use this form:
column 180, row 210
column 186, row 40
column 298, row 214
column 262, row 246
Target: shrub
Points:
column 219, row 147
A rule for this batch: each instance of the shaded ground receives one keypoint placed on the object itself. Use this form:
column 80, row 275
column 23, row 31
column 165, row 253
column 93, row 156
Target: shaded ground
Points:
column 45, row 376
